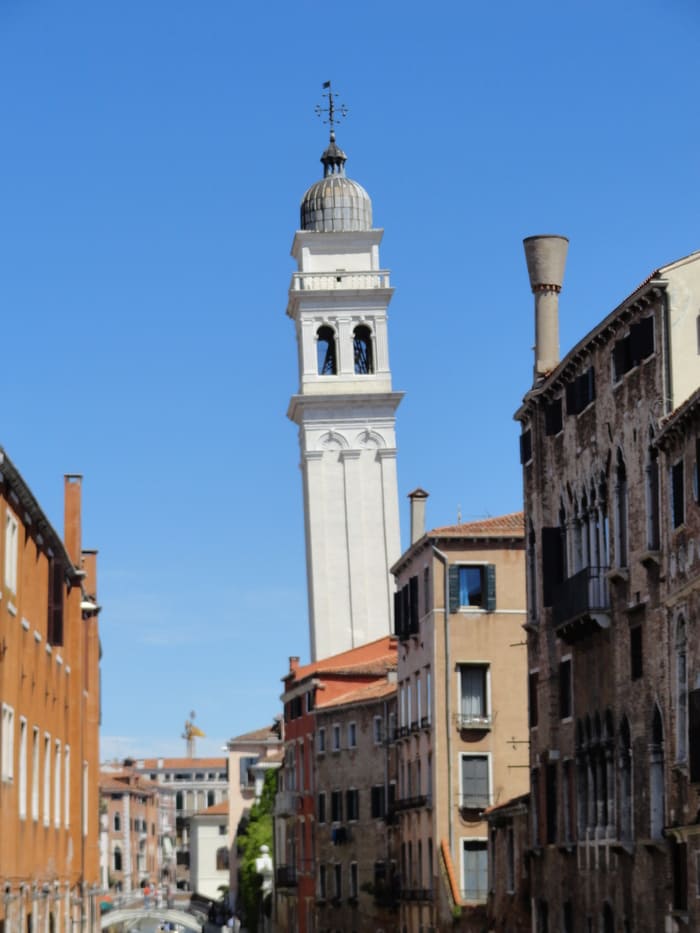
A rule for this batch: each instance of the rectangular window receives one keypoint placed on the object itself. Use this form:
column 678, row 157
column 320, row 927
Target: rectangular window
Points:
column 322, row 807
column 322, row 882
column 378, row 805
column 472, row 586
column 526, row 447
column 352, row 735
column 532, row 698
column 336, row 738
column 66, row 786
column 377, row 730
column 22, row 768
column 338, row 881
column 426, row 590
column 7, row 765
column 551, row 802
column 565, row 689
column 57, row 785
column 677, row 494
column 354, row 886
column 473, row 695
column 510, row 860
column 11, row 539
column 47, row 778
column 352, row 804
column 475, row 781
column 552, row 562
column 321, row 741
column 86, row 788
column 694, row 734
column 553, row 417
column 35, row 773
column 54, row 625
column 428, row 698
column 336, row 806
column 474, row 870
column 636, row 653
column 581, row 392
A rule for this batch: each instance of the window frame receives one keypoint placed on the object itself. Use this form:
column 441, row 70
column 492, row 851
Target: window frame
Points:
column 11, row 550
column 7, row 749
column 486, row 756
column 467, row 721
column 487, row 573
column 480, row 844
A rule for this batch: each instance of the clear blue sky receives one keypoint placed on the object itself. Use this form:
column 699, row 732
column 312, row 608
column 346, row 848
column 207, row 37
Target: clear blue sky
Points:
column 152, row 159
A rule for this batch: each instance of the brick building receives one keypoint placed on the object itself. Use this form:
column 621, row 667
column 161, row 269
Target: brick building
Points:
column 130, row 813
column 307, row 690
column 49, row 700
column 609, row 452
column 462, row 720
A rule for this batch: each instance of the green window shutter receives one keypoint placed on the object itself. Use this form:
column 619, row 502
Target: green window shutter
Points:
column 413, row 626
column 453, row 581
column 491, row 587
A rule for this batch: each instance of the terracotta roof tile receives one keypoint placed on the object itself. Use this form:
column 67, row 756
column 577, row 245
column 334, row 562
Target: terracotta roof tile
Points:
column 217, row 809
column 367, row 659
column 361, row 695
column 266, row 734
column 151, row 764
column 511, row 525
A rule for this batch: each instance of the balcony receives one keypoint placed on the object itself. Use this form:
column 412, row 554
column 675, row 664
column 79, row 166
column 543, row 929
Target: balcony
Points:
column 286, row 876
column 410, row 803
column 325, row 281
column 471, row 721
column 581, row 604
column 286, row 803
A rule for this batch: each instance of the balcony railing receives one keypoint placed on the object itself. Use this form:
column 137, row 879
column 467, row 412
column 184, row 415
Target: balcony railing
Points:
column 286, row 876
column 329, row 281
column 286, row 803
column 472, row 721
column 410, row 803
column 581, row 604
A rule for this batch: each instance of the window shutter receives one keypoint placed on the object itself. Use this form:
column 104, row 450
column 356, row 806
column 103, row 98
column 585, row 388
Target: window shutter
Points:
column 491, row 587
column 694, row 734
column 398, row 627
column 453, row 582
column 413, row 605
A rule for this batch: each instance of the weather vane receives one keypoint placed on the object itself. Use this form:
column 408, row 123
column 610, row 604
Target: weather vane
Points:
column 335, row 114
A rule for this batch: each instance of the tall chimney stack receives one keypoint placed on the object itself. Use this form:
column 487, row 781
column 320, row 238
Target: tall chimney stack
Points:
column 546, row 257
column 417, row 497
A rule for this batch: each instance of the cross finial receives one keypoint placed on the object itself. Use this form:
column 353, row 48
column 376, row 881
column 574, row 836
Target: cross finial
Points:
column 335, row 114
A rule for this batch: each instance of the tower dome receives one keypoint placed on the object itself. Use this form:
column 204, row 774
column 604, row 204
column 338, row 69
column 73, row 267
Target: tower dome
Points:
column 335, row 204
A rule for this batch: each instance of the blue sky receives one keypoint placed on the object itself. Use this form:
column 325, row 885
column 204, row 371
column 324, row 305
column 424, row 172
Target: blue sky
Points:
column 152, row 161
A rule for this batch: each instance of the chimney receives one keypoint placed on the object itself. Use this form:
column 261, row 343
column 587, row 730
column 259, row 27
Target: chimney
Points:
column 71, row 516
column 417, row 497
column 293, row 664
column 546, row 257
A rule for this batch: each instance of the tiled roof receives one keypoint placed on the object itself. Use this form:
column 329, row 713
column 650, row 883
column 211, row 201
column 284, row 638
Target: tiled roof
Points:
column 151, row 764
column 266, row 734
column 363, row 694
column 511, row 525
column 217, row 809
column 367, row 660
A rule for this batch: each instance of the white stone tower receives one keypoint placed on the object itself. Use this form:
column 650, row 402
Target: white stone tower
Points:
column 345, row 409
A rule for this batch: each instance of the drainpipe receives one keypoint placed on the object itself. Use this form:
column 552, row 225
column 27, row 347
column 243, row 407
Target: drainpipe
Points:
column 444, row 560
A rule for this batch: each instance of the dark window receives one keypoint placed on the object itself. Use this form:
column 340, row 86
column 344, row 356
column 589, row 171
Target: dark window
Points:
column 636, row 653
column 696, row 475
column 532, row 698
column 336, row 806
column 55, row 616
column 551, row 802
column 378, row 807
column 362, row 350
column 352, row 804
column 526, row 447
column 694, row 734
column 565, row 689
column 322, row 807
column 552, row 562
column 677, row 494
column 581, row 392
column 679, row 853
column 642, row 340
column 117, row 859
column 472, row 586
column 325, row 350
column 553, row 417
column 653, row 500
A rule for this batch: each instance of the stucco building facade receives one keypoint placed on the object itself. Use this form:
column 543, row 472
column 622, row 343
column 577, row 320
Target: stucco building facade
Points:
column 609, row 454
column 462, row 709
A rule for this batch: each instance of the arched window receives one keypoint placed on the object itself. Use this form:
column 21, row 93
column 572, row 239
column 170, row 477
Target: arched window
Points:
column 681, row 691
column 362, row 350
column 620, row 512
column 117, row 822
column 608, row 919
column 325, row 351
column 656, row 777
column 222, row 859
column 117, row 859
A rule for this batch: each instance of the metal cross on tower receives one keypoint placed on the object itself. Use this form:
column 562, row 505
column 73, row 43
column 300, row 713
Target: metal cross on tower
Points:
column 335, row 115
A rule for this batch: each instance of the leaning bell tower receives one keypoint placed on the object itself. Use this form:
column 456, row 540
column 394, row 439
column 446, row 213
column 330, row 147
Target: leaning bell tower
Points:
column 345, row 409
